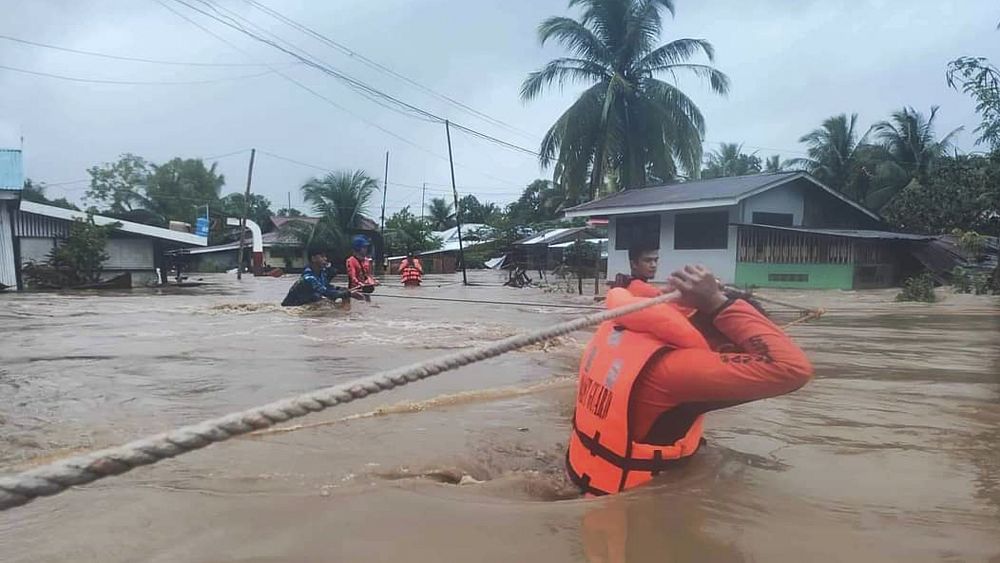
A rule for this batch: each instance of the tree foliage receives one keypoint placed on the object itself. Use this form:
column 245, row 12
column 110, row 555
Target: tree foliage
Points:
column 289, row 212
column 976, row 77
column 833, row 153
column 627, row 123
column 960, row 193
column 259, row 211
column 540, row 202
column 440, row 214
column 730, row 160
column 179, row 188
column 120, row 186
column 475, row 211
column 35, row 191
column 135, row 189
column 910, row 142
column 341, row 201
column 405, row 232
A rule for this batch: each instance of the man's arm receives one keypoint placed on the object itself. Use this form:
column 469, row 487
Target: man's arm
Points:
column 682, row 384
column 769, row 364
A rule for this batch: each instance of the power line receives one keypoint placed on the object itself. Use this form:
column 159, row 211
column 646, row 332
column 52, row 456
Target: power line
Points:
column 124, row 58
column 131, row 82
column 298, row 83
column 372, row 93
column 378, row 66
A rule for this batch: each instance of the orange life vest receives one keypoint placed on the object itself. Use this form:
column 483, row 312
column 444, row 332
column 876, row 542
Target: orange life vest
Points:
column 602, row 457
column 410, row 273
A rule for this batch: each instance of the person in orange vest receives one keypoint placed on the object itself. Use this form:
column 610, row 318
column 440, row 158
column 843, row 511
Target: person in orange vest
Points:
column 359, row 266
column 411, row 271
column 647, row 379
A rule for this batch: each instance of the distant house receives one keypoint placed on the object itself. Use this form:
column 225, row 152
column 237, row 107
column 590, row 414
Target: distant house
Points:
column 769, row 230
column 283, row 247
column 445, row 260
column 544, row 250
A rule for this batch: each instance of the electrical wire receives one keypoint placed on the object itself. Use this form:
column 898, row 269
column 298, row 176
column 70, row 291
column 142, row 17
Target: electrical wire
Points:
column 124, row 58
column 355, row 55
column 132, row 82
column 386, row 100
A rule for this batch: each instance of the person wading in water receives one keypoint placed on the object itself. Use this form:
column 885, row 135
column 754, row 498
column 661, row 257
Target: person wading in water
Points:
column 411, row 271
column 359, row 267
column 315, row 285
column 647, row 379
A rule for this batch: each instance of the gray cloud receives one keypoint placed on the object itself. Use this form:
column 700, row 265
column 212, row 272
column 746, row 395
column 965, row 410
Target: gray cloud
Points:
column 793, row 63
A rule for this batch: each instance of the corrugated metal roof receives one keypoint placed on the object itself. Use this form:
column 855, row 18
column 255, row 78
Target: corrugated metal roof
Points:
column 126, row 226
column 698, row 194
column 724, row 189
column 11, row 170
column 849, row 233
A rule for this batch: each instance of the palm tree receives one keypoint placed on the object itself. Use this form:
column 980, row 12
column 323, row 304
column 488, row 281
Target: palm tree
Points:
column 729, row 160
column 833, row 151
column 908, row 138
column 773, row 164
column 440, row 214
column 341, row 196
column 627, row 123
column 341, row 200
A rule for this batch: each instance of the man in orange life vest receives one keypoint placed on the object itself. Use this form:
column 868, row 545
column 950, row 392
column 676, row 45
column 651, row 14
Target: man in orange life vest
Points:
column 647, row 379
column 359, row 267
column 411, row 271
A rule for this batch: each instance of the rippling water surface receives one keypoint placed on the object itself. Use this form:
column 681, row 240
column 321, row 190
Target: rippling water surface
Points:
column 891, row 453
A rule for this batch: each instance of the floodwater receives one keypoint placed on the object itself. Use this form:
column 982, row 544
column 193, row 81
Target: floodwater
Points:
column 891, row 454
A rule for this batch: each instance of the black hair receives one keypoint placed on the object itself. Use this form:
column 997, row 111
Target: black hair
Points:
column 636, row 252
column 316, row 252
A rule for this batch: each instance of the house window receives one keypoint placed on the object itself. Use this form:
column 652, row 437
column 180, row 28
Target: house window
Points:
column 701, row 231
column 638, row 232
column 788, row 278
column 773, row 219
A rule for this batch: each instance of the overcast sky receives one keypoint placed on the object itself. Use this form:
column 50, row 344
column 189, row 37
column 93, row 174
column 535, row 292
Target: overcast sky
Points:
column 792, row 64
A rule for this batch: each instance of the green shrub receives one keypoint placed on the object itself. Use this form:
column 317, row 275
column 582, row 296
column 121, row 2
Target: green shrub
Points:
column 918, row 288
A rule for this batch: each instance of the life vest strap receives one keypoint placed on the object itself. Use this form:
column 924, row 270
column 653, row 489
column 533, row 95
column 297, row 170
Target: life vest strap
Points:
column 654, row 465
column 582, row 481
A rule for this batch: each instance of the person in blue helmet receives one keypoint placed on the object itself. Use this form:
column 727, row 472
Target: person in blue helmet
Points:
column 315, row 285
column 359, row 266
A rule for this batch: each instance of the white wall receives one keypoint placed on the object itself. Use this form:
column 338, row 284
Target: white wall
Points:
column 36, row 249
column 8, row 273
column 722, row 262
column 129, row 254
column 784, row 199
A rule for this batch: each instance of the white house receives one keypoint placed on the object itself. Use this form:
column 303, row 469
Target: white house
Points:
column 779, row 230
column 133, row 247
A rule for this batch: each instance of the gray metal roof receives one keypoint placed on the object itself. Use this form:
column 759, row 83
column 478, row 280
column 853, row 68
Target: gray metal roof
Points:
column 723, row 189
column 849, row 233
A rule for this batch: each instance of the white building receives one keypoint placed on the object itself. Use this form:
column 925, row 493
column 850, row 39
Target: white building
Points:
column 133, row 247
column 779, row 230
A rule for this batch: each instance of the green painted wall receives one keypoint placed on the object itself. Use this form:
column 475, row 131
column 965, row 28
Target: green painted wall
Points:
column 821, row 276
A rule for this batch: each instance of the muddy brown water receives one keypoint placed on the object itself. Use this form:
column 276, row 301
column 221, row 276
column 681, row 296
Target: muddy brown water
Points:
column 891, row 453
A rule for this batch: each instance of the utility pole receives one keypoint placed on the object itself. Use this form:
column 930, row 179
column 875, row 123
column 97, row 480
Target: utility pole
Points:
column 289, row 204
column 423, row 206
column 385, row 192
column 243, row 220
column 458, row 210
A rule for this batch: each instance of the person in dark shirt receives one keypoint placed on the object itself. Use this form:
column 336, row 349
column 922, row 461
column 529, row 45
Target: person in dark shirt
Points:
column 315, row 284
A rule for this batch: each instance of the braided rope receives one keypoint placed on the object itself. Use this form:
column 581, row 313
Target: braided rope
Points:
column 54, row 478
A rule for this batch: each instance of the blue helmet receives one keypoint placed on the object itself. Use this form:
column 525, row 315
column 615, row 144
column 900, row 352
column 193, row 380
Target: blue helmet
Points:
column 359, row 242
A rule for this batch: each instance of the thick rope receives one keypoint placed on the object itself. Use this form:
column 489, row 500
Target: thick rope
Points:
column 54, row 478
